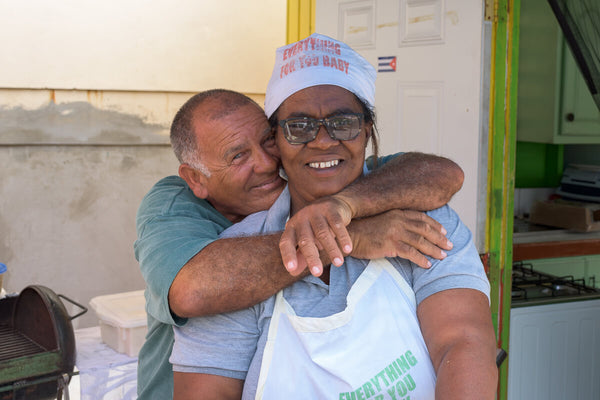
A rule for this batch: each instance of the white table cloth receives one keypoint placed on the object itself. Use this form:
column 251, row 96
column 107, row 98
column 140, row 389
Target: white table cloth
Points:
column 104, row 374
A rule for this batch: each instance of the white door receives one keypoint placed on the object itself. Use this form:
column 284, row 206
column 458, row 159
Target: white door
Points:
column 429, row 59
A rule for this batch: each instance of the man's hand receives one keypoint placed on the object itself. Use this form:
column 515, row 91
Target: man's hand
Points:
column 399, row 233
column 318, row 226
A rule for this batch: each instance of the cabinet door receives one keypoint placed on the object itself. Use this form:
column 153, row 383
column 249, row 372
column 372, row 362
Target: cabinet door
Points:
column 579, row 116
column 554, row 352
column 554, row 103
column 539, row 73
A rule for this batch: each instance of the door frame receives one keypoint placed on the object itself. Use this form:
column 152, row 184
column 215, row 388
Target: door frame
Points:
column 300, row 19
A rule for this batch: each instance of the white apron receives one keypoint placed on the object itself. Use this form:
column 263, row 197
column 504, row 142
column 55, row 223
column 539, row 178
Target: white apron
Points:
column 373, row 349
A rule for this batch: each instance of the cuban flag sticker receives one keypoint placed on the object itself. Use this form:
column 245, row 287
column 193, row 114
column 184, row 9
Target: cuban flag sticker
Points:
column 386, row 64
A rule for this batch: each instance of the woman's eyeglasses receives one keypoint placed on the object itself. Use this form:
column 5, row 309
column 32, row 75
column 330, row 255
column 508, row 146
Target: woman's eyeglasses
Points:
column 301, row 130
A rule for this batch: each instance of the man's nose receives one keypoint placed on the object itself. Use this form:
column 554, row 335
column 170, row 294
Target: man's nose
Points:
column 264, row 162
column 323, row 140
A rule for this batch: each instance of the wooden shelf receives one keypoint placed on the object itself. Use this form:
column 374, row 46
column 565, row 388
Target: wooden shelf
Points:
column 555, row 249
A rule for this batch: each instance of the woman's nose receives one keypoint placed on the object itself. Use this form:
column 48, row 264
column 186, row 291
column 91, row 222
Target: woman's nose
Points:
column 323, row 140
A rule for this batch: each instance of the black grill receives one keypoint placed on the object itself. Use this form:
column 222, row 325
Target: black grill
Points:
column 37, row 345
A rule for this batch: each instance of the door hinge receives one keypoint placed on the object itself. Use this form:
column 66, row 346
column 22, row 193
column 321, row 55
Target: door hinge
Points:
column 488, row 6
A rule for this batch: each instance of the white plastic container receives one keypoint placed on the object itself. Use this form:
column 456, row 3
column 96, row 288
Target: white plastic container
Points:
column 123, row 320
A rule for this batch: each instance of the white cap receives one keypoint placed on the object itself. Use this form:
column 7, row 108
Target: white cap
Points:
column 319, row 60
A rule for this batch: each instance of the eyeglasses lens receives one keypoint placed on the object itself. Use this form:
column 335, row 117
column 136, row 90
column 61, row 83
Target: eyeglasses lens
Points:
column 344, row 127
column 340, row 127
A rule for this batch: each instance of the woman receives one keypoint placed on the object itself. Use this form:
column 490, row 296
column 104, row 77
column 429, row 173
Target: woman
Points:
column 371, row 329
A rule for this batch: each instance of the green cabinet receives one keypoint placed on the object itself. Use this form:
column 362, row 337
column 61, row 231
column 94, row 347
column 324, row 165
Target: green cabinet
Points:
column 554, row 104
column 587, row 267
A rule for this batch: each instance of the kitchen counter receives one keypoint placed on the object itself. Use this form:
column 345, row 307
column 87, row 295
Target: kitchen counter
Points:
column 531, row 242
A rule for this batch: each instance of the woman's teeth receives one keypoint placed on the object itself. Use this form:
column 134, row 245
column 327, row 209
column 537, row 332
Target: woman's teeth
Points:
column 324, row 164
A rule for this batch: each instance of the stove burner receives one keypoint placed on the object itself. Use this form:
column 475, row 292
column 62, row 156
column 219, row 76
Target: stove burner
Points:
column 529, row 285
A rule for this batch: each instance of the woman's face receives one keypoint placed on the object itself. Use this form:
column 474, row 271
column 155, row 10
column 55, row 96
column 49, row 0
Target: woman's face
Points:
column 324, row 165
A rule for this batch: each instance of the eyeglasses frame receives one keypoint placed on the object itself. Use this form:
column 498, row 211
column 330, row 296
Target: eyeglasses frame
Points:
column 320, row 122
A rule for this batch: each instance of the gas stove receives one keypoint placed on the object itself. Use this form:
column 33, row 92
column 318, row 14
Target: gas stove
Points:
column 531, row 287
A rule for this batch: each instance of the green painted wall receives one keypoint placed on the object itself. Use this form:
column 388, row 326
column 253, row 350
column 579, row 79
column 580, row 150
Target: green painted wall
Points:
column 538, row 165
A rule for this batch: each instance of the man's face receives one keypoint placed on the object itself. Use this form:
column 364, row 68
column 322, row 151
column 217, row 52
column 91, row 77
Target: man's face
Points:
column 323, row 166
column 239, row 151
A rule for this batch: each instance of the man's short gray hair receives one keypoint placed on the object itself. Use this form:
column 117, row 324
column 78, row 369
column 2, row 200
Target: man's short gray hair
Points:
column 183, row 136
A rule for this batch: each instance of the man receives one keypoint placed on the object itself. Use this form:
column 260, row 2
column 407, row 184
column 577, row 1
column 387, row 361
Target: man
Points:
column 230, row 168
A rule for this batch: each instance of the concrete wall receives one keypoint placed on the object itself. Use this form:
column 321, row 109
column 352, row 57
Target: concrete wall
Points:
column 67, row 207
column 78, row 155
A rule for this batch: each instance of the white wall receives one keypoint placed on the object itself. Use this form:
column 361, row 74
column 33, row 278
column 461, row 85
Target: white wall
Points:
column 86, row 102
column 163, row 45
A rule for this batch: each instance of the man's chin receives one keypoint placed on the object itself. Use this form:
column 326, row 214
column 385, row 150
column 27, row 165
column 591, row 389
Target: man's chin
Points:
column 266, row 196
column 273, row 184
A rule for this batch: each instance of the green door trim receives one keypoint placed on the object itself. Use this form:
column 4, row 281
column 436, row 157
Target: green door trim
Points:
column 501, row 167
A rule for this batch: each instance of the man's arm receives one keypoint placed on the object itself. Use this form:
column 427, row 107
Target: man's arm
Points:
column 236, row 273
column 457, row 328
column 414, row 181
column 231, row 274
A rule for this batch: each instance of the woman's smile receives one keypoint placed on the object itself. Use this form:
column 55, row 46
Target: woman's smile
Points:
column 324, row 164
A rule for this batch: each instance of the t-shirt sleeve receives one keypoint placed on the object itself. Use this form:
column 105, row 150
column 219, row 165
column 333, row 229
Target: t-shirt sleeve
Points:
column 461, row 269
column 167, row 245
column 222, row 344
column 370, row 161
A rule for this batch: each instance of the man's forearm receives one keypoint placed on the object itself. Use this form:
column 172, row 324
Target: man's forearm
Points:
column 415, row 181
column 232, row 274
column 229, row 274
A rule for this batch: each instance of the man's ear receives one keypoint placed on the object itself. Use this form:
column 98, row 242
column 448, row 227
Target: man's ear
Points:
column 195, row 179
